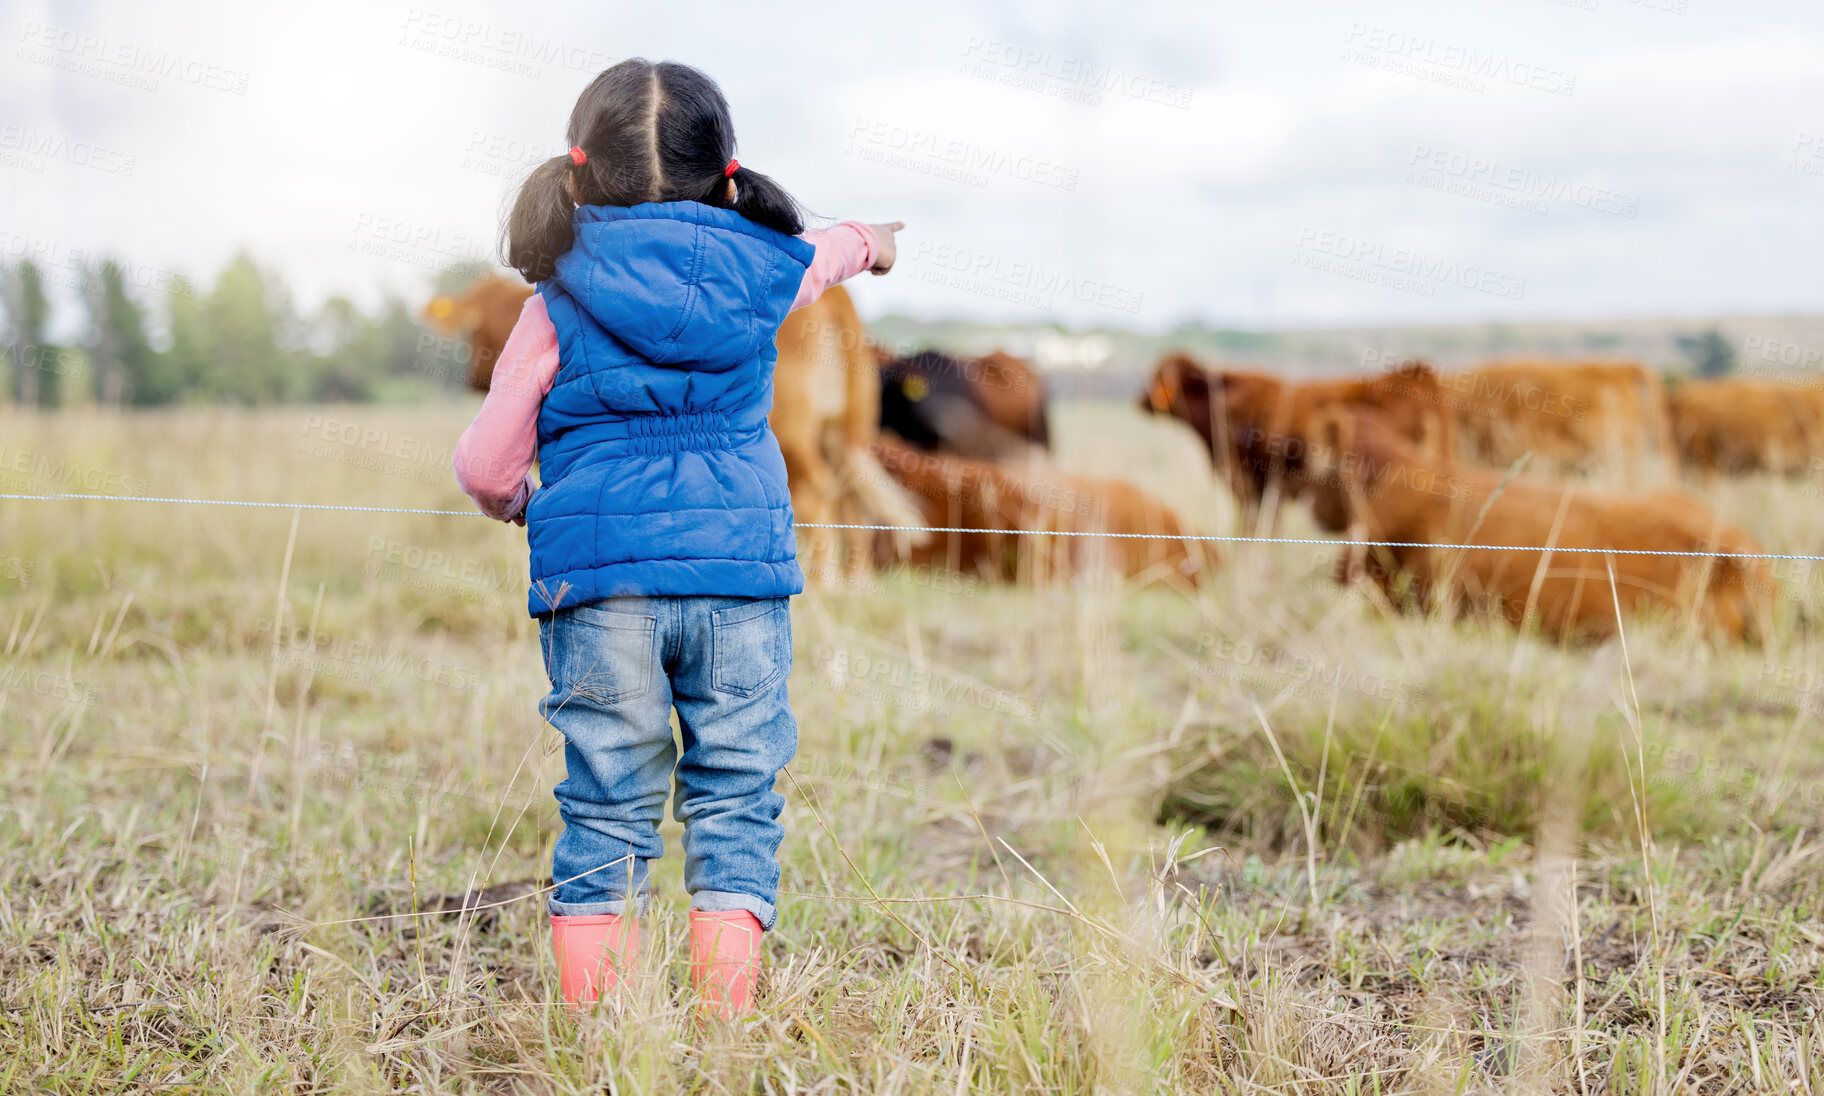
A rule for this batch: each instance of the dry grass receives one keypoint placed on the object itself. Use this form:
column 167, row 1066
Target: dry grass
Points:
column 239, row 754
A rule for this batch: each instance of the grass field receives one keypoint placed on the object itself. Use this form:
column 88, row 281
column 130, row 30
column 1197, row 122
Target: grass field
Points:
column 1055, row 841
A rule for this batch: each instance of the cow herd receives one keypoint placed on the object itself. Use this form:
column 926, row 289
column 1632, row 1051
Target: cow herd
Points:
column 1519, row 490
column 1535, row 492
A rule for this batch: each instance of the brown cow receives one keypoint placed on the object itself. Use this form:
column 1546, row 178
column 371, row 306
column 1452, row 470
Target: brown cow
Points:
column 484, row 314
column 1733, row 425
column 826, row 405
column 1258, row 428
column 1574, row 417
column 986, row 408
column 1376, row 484
column 996, row 503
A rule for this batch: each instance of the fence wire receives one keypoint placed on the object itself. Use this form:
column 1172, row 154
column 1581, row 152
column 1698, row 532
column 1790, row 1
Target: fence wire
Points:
column 1333, row 541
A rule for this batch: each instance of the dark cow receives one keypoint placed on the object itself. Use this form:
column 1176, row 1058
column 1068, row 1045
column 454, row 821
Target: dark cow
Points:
column 986, row 408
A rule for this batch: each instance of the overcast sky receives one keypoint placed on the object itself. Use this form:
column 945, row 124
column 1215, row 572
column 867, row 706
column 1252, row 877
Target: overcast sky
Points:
column 1255, row 165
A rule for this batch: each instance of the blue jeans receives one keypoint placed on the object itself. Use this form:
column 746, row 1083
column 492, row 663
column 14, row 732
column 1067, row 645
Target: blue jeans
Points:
column 617, row 669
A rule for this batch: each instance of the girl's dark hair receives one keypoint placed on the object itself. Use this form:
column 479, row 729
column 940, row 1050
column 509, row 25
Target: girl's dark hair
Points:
column 652, row 133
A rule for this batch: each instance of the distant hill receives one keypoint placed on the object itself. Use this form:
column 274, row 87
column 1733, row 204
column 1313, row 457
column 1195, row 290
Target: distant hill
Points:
column 1110, row 362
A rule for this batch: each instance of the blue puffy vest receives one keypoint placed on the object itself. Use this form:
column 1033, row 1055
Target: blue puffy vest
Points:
column 660, row 475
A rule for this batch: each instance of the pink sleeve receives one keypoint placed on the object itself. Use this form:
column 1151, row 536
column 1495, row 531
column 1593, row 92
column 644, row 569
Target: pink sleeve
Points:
column 843, row 251
column 494, row 456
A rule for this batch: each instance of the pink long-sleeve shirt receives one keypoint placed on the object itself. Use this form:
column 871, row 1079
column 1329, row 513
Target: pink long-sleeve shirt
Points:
column 494, row 455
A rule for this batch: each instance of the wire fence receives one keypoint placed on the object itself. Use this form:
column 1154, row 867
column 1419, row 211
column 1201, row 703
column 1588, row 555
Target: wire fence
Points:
column 1333, row 541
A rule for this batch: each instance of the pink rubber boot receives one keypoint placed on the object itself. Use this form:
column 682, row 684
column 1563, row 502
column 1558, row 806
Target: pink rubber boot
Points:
column 593, row 954
column 725, row 960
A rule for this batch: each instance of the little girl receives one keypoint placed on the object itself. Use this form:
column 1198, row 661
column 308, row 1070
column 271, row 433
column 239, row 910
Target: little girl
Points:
column 641, row 374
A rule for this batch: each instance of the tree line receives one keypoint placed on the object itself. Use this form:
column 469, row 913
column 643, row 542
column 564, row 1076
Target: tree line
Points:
column 241, row 340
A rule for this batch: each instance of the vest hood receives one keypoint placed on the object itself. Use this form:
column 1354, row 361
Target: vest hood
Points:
column 676, row 294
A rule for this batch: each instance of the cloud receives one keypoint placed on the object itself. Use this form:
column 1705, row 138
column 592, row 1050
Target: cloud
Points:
column 1092, row 167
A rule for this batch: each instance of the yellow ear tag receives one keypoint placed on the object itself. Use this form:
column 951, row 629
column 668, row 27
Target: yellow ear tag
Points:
column 441, row 307
column 916, row 388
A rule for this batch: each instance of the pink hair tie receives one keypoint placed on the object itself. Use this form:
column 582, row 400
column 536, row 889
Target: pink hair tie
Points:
column 578, row 156
column 729, row 171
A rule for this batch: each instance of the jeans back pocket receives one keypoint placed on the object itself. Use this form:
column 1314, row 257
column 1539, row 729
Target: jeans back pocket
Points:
column 599, row 656
column 750, row 646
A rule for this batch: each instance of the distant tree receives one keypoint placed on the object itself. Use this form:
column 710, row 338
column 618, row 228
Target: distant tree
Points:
column 343, row 368
column 1711, row 355
column 248, row 313
column 191, row 358
column 234, row 343
column 27, row 314
column 125, row 367
column 1504, row 338
column 399, row 336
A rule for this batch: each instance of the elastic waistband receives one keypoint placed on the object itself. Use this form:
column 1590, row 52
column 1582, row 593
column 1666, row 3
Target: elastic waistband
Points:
column 653, row 434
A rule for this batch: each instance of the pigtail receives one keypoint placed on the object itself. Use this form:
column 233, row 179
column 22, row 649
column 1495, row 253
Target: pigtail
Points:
column 539, row 228
column 764, row 202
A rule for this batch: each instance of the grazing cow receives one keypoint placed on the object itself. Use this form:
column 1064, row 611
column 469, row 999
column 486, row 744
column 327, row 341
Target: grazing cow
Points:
column 1574, row 417
column 826, row 407
column 987, row 408
column 1733, row 425
column 484, row 314
column 1258, row 428
column 996, row 503
column 1371, row 481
